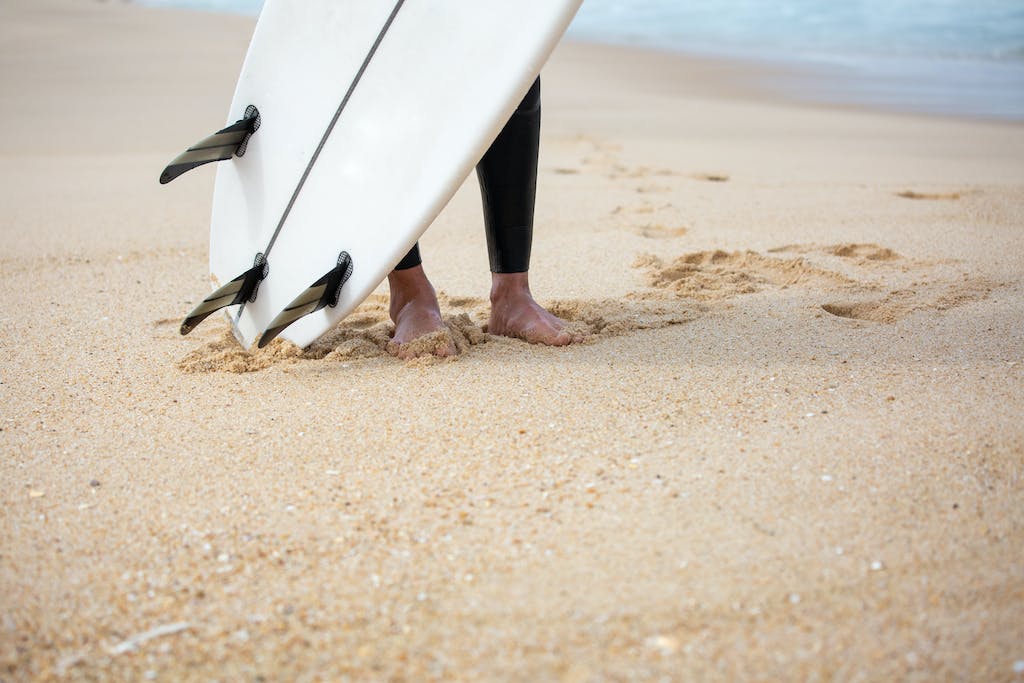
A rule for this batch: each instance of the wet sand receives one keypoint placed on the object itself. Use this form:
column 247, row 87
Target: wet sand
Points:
column 791, row 448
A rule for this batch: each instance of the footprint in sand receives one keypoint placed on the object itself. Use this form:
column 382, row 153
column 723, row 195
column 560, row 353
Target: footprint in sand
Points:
column 614, row 317
column 901, row 303
column 933, row 196
column 656, row 222
column 862, row 253
column 644, row 209
column 619, row 171
column 591, row 152
column 595, row 154
column 659, row 231
column 887, row 310
column 652, row 189
column 866, row 252
column 711, row 177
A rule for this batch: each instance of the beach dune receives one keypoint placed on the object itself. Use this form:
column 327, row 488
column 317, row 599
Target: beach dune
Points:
column 790, row 448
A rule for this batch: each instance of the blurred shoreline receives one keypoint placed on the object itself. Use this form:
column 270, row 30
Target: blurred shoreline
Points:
column 961, row 82
column 963, row 89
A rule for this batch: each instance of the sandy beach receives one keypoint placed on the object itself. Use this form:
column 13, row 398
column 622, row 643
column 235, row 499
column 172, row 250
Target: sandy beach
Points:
column 787, row 450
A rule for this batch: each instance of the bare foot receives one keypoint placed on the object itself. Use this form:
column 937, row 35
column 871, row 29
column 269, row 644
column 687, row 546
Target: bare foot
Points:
column 514, row 313
column 416, row 314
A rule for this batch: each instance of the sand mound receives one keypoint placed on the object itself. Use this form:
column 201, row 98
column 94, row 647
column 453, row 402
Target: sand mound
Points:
column 364, row 334
column 459, row 334
column 227, row 355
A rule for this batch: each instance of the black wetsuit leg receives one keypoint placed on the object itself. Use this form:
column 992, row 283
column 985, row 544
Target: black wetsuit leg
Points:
column 508, row 188
column 410, row 260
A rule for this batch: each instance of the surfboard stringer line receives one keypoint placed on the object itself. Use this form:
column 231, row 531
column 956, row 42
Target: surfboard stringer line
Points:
column 289, row 314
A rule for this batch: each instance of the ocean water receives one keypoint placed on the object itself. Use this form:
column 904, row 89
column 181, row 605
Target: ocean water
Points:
column 954, row 57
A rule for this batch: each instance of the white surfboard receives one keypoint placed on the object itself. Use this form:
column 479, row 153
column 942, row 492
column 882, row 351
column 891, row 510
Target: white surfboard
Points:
column 371, row 115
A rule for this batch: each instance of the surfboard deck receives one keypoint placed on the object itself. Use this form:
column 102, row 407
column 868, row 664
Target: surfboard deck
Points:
column 372, row 114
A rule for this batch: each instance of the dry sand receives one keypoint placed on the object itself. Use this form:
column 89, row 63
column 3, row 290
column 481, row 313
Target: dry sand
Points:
column 791, row 449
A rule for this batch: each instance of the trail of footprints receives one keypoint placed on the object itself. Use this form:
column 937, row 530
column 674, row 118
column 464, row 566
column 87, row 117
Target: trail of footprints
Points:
column 863, row 281
column 648, row 212
column 860, row 281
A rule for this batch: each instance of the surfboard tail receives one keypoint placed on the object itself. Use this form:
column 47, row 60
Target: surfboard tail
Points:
column 222, row 145
column 323, row 293
column 240, row 290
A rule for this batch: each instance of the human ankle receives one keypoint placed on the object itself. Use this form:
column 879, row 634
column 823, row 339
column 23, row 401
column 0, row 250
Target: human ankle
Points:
column 510, row 287
column 408, row 286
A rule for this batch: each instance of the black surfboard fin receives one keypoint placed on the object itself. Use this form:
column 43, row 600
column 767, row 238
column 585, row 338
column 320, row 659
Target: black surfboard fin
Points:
column 224, row 144
column 324, row 292
column 240, row 290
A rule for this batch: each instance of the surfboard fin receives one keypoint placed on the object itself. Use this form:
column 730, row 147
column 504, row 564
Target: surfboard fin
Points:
column 224, row 144
column 243, row 288
column 322, row 293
